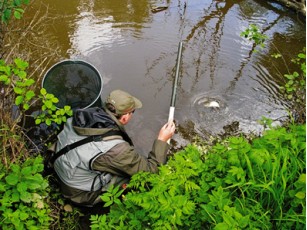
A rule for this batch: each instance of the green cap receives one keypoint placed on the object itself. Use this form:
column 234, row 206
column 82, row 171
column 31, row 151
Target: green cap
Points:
column 123, row 102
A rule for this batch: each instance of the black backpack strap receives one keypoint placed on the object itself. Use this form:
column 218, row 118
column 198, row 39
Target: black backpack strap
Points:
column 82, row 142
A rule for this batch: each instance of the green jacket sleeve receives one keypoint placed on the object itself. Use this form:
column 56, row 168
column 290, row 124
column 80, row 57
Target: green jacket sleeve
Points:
column 123, row 160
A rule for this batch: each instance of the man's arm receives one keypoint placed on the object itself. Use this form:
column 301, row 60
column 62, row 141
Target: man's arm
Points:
column 122, row 159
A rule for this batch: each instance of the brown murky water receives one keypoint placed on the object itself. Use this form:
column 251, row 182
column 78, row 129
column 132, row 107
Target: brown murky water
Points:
column 134, row 48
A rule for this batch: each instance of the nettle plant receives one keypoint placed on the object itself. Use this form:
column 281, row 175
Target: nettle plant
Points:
column 15, row 81
column 237, row 184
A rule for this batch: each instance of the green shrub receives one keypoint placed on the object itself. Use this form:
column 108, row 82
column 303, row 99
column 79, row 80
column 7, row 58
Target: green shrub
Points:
column 23, row 191
column 236, row 185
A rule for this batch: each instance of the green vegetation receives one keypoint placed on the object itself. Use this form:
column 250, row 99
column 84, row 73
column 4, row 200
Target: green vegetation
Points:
column 12, row 7
column 23, row 191
column 235, row 185
column 26, row 200
column 295, row 87
column 50, row 112
column 252, row 33
column 15, row 81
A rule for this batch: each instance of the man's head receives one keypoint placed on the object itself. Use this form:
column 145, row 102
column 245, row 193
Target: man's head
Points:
column 122, row 103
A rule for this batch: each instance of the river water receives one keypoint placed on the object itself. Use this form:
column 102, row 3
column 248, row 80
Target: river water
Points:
column 134, row 47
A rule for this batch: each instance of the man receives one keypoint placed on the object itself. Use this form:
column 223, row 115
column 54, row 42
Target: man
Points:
column 91, row 168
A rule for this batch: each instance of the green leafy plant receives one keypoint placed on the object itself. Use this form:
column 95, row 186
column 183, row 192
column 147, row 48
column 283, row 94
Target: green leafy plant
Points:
column 295, row 86
column 11, row 8
column 252, row 33
column 112, row 196
column 15, row 80
column 237, row 184
column 23, row 191
column 16, row 76
column 50, row 112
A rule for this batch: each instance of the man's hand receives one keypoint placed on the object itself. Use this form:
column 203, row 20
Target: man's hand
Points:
column 167, row 131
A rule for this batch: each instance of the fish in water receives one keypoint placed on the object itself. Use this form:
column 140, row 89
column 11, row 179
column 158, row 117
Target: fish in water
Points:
column 209, row 103
column 212, row 104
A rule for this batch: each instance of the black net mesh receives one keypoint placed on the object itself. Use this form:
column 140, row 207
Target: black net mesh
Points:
column 74, row 83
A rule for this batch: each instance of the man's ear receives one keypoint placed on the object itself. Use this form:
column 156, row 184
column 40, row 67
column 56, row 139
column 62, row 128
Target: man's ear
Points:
column 124, row 119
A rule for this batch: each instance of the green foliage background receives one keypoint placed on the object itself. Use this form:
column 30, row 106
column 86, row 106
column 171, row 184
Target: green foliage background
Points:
column 235, row 185
column 23, row 191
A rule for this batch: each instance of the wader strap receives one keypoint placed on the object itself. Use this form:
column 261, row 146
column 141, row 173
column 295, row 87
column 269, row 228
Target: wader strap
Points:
column 84, row 141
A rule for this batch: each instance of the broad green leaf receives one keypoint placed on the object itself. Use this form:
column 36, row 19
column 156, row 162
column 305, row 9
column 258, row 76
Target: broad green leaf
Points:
column 3, row 78
column 18, row 90
column 107, row 204
column 221, row 226
column 243, row 222
column 17, row 14
column 64, row 119
column 15, row 197
column 26, row 106
column 48, row 122
column 55, row 100
column 38, row 121
column 22, row 187
column 19, row 100
column 15, row 168
column 6, row 70
column 29, row 82
column 26, row 171
column 23, row 216
column 12, row 179
column 302, row 178
column 26, row 197
column 288, row 76
column 21, row 64
column 33, row 185
column 300, row 195
column 3, row 187
column 67, row 108
column 6, row 15
column 53, row 108
column 48, row 104
column 43, row 91
column 30, row 94
column 17, row 2
column 49, row 96
column 38, row 167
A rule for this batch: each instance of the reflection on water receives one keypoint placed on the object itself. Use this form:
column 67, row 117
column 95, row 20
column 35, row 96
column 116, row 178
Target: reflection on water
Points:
column 135, row 50
column 104, row 24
